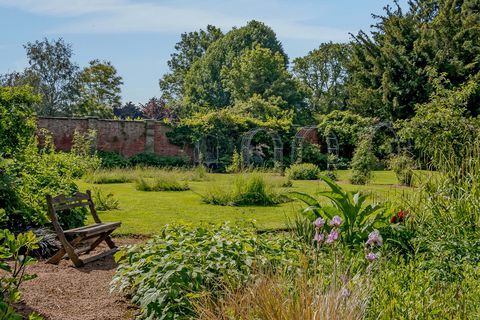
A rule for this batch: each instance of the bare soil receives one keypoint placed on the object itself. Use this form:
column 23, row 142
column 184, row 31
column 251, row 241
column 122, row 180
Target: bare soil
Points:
column 63, row 292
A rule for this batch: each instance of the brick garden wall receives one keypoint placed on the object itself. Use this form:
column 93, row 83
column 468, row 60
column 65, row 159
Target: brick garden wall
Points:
column 125, row 137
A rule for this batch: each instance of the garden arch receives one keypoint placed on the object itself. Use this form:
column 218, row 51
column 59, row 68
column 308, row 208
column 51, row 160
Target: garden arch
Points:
column 332, row 146
column 246, row 146
column 206, row 151
column 372, row 131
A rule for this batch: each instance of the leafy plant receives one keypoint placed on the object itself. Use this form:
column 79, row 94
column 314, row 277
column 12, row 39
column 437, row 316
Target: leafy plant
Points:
column 182, row 263
column 16, row 249
column 358, row 219
column 104, row 202
column 303, row 171
column 112, row 160
column 311, row 153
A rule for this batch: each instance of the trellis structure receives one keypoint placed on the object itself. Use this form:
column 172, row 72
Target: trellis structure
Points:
column 332, row 146
column 372, row 130
column 206, row 151
column 246, row 146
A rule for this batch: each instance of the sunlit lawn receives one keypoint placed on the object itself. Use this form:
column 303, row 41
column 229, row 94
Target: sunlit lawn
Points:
column 147, row 212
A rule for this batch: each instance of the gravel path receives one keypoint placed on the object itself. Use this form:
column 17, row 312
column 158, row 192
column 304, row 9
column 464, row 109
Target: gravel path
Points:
column 63, row 292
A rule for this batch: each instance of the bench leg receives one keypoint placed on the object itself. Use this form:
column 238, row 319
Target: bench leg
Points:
column 102, row 237
column 57, row 257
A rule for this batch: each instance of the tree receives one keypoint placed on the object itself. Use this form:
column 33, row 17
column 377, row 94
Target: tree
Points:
column 324, row 74
column 259, row 71
column 17, row 121
column 157, row 109
column 389, row 72
column 50, row 61
column 192, row 46
column 127, row 111
column 97, row 90
column 18, row 79
column 204, row 87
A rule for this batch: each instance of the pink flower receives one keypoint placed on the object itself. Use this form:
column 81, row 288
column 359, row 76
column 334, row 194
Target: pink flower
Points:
column 374, row 238
column 336, row 221
column 319, row 223
column 371, row 256
column 319, row 237
column 332, row 236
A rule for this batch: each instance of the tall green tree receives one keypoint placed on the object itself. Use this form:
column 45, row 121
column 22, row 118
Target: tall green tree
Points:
column 204, row 86
column 323, row 72
column 191, row 46
column 390, row 71
column 17, row 121
column 50, row 60
column 97, row 90
column 259, row 71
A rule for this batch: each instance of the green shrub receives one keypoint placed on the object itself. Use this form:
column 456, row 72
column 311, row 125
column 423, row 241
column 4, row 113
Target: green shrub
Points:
column 247, row 191
column 161, row 183
column 303, row 171
column 111, row 160
column 236, row 165
column 168, row 272
column 104, row 202
column 311, row 153
column 403, row 166
column 363, row 162
column 39, row 174
column 154, row 160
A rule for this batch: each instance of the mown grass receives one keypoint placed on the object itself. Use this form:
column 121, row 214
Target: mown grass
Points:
column 146, row 213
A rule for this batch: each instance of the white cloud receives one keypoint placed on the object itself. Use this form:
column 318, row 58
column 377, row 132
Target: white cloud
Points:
column 124, row 16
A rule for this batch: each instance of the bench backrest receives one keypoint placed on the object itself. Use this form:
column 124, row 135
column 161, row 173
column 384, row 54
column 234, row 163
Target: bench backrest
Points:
column 62, row 202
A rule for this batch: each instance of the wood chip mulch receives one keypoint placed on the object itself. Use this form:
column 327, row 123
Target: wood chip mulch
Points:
column 63, row 292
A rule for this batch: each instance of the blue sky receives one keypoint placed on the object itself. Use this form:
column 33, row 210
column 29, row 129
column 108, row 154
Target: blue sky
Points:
column 138, row 36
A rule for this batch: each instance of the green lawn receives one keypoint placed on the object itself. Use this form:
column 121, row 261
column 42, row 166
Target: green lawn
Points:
column 147, row 212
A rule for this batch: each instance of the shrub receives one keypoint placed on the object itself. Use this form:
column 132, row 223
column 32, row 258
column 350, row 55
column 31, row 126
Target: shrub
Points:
column 311, row 153
column 111, row 160
column 236, row 165
column 165, row 274
column 403, row 166
column 154, row 160
column 363, row 162
column 253, row 190
column 38, row 174
column 163, row 183
column 104, row 202
column 303, row 171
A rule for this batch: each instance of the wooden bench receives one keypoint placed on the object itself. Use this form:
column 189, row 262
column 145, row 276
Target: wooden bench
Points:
column 80, row 240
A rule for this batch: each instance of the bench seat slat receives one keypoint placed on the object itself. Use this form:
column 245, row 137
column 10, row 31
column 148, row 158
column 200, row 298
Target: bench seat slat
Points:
column 94, row 228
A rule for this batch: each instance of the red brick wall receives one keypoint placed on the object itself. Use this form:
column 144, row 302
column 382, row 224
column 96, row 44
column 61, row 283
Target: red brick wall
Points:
column 125, row 137
column 163, row 146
